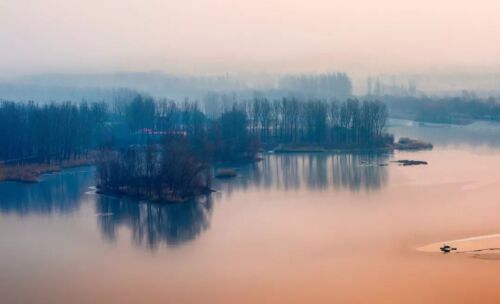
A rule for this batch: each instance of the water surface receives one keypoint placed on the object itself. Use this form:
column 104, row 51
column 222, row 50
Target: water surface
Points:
column 305, row 228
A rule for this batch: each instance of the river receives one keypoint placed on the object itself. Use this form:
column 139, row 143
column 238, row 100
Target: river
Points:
column 297, row 228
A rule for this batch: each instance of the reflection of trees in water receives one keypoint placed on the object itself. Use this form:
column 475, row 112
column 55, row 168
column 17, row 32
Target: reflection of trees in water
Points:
column 154, row 224
column 351, row 171
column 359, row 172
column 57, row 193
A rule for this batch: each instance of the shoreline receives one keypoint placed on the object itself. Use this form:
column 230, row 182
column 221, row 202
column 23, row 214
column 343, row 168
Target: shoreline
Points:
column 30, row 173
column 406, row 145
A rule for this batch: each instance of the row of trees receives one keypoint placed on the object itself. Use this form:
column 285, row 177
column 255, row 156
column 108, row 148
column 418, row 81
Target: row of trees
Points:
column 226, row 137
column 243, row 125
column 333, row 124
column 31, row 132
column 61, row 131
column 51, row 132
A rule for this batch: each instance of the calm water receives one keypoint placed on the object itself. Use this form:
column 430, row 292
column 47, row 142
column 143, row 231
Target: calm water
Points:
column 308, row 228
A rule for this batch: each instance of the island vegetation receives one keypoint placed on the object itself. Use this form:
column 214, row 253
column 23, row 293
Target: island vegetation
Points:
column 163, row 150
column 169, row 172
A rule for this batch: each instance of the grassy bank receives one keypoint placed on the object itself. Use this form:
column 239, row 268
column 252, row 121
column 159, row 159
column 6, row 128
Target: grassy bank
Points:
column 30, row 173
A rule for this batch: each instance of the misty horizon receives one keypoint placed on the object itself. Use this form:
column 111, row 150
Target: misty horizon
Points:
column 277, row 37
column 103, row 86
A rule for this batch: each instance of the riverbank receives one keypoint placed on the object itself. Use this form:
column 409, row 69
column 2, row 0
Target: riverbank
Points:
column 403, row 143
column 30, row 173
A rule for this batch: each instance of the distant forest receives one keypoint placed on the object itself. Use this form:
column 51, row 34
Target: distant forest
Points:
column 457, row 110
column 110, row 87
column 336, row 85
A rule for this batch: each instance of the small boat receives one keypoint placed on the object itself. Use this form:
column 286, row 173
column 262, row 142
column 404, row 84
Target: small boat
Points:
column 447, row 248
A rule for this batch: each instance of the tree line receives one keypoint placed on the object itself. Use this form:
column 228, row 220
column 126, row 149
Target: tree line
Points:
column 49, row 132
column 459, row 110
column 64, row 130
column 348, row 124
column 262, row 121
column 161, row 148
column 179, row 141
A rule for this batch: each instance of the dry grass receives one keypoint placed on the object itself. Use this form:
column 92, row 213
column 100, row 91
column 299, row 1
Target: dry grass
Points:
column 78, row 162
column 29, row 173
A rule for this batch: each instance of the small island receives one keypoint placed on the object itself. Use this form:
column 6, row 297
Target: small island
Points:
column 162, row 151
column 405, row 143
column 409, row 162
column 169, row 173
column 225, row 173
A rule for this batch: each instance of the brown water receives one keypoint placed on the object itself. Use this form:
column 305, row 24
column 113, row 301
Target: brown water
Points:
column 334, row 228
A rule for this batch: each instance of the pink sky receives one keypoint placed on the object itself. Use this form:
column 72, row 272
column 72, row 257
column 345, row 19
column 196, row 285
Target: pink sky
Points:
column 215, row 36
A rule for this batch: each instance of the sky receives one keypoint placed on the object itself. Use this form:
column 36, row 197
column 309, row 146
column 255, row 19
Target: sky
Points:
column 253, row 36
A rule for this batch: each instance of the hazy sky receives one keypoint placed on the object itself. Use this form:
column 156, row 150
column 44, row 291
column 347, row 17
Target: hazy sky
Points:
column 214, row 36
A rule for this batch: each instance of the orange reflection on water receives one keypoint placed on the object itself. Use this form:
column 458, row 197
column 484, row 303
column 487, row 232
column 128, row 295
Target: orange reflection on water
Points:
column 264, row 242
